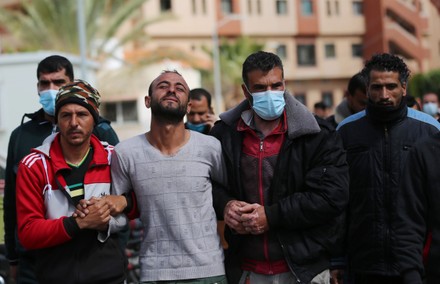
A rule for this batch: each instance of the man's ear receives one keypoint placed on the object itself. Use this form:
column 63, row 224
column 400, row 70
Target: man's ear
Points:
column 148, row 101
column 246, row 92
column 188, row 107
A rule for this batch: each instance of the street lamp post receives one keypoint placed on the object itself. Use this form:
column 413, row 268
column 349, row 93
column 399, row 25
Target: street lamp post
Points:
column 219, row 105
column 82, row 37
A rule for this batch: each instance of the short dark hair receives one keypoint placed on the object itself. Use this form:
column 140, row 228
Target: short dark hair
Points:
column 198, row 93
column 357, row 82
column 150, row 88
column 386, row 62
column 321, row 105
column 411, row 102
column 260, row 60
column 55, row 63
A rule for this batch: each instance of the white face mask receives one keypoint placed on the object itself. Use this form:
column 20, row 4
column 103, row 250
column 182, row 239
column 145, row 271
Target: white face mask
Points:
column 430, row 108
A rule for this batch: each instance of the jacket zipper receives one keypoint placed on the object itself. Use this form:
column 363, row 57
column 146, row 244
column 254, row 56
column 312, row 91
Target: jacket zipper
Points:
column 261, row 192
column 386, row 191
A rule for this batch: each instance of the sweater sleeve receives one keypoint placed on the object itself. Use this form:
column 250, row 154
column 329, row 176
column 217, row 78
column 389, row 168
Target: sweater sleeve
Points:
column 34, row 230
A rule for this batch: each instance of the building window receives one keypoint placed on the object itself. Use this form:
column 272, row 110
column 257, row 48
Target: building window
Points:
column 121, row 112
column 281, row 7
column 301, row 97
column 204, row 7
column 306, row 7
column 194, row 7
column 281, row 51
column 306, row 55
column 330, row 51
column 358, row 8
column 329, row 8
column 356, row 50
column 201, row 9
column 226, row 6
column 327, row 98
column 337, row 7
column 165, row 5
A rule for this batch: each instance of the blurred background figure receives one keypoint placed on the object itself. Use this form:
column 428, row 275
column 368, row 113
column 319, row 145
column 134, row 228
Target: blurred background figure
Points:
column 321, row 109
column 411, row 102
column 201, row 117
column 355, row 100
column 430, row 104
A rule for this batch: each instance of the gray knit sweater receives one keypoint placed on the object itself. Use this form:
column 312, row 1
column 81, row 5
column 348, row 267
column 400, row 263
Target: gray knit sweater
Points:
column 174, row 197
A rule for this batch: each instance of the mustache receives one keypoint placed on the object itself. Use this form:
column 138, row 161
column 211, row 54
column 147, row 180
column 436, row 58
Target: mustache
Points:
column 74, row 131
column 170, row 95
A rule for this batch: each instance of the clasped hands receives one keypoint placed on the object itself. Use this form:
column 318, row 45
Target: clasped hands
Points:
column 245, row 218
column 95, row 212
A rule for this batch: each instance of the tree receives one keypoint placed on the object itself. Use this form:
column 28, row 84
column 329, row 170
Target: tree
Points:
column 423, row 83
column 232, row 55
column 52, row 25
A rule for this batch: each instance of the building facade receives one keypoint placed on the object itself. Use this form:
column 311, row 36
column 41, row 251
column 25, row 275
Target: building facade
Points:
column 321, row 42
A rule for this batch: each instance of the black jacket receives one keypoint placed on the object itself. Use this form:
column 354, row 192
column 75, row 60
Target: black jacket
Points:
column 376, row 154
column 309, row 190
column 419, row 212
column 28, row 135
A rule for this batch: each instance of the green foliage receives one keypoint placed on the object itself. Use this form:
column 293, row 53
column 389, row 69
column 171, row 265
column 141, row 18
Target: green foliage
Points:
column 425, row 83
column 232, row 55
column 52, row 25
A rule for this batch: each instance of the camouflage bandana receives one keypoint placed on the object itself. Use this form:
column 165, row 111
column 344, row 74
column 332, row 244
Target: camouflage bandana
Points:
column 79, row 92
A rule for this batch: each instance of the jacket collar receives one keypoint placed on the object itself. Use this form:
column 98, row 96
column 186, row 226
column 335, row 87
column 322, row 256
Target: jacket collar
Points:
column 300, row 121
column 51, row 148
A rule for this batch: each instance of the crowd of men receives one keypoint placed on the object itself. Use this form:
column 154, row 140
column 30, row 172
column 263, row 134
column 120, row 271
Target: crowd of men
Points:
column 268, row 192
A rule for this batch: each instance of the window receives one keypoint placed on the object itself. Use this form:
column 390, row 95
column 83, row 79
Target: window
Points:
column 358, row 8
column 226, row 6
column 301, row 97
column 194, row 7
column 120, row 112
column 337, row 7
column 306, row 7
column 327, row 98
column 281, row 7
column 281, row 51
column 356, row 50
column 306, row 55
column 165, row 5
column 330, row 50
column 200, row 10
column 329, row 8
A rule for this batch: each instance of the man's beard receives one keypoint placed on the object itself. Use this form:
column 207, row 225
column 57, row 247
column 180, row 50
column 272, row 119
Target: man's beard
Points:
column 168, row 114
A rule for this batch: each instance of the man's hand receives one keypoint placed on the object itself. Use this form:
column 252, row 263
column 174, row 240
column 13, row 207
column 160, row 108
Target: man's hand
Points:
column 253, row 219
column 116, row 203
column 210, row 119
column 97, row 216
column 337, row 276
column 232, row 215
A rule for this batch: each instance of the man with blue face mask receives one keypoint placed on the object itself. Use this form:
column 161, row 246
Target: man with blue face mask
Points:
column 430, row 104
column 201, row 117
column 53, row 72
column 287, row 183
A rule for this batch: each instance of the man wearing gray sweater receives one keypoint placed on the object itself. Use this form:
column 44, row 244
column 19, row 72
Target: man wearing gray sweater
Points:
column 171, row 170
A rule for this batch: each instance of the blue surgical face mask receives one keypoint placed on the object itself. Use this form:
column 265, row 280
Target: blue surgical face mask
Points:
column 47, row 100
column 268, row 105
column 430, row 108
column 199, row 127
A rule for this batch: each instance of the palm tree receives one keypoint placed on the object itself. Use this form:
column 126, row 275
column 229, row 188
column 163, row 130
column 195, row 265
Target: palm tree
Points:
column 52, row 25
column 232, row 56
